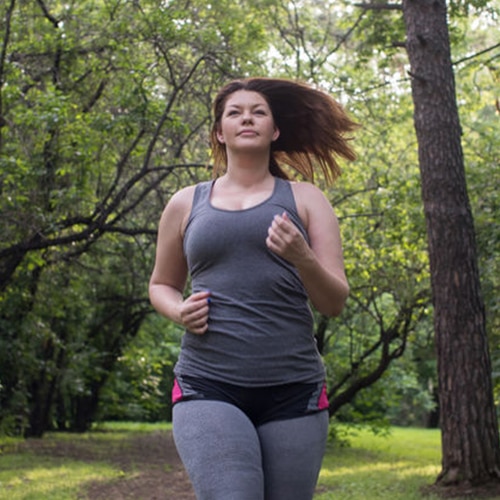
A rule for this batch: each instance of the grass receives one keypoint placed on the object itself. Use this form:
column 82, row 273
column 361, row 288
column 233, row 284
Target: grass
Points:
column 29, row 477
column 376, row 467
column 391, row 467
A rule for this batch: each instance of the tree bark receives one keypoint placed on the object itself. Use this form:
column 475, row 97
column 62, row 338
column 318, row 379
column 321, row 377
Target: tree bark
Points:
column 470, row 439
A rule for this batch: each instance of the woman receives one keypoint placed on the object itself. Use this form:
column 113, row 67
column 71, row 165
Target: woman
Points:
column 250, row 412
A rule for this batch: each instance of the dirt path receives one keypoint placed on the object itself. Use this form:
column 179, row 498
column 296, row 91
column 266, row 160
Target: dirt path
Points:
column 152, row 469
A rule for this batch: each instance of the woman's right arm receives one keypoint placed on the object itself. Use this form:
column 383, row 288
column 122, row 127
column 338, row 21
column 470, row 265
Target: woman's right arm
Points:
column 169, row 276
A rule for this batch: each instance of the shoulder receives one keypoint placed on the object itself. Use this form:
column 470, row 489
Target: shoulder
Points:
column 182, row 199
column 306, row 190
column 308, row 196
column 178, row 208
column 310, row 201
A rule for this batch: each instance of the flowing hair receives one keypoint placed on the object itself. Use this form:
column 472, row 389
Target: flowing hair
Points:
column 314, row 128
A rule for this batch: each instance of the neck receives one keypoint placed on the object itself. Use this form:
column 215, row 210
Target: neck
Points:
column 247, row 169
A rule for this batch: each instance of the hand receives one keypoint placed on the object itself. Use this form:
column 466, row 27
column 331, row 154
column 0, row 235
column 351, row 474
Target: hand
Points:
column 193, row 312
column 285, row 239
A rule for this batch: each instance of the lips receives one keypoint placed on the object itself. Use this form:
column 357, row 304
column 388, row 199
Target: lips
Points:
column 247, row 132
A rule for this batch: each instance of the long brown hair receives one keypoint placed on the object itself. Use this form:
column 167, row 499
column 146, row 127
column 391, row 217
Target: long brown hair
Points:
column 313, row 127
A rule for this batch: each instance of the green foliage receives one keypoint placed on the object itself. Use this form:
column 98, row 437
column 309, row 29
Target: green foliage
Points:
column 104, row 112
column 463, row 8
column 381, row 32
column 139, row 388
column 378, row 203
column 477, row 92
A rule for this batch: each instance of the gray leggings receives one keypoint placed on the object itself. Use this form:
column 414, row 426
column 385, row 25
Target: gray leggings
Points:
column 228, row 458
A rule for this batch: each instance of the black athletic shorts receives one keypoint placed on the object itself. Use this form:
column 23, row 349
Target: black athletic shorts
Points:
column 260, row 404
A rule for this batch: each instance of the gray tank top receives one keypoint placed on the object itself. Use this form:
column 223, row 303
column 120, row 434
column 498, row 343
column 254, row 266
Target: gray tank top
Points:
column 260, row 324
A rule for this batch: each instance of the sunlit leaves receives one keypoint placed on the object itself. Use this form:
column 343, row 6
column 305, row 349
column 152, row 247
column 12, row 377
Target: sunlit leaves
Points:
column 105, row 104
column 104, row 107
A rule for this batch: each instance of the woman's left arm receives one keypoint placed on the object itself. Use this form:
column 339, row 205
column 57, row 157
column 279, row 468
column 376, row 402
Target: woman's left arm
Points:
column 320, row 264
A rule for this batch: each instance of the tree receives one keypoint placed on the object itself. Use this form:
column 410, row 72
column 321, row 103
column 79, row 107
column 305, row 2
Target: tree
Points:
column 378, row 205
column 104, row 110
column 477, row 75
column 103, row 107
column 470, row 439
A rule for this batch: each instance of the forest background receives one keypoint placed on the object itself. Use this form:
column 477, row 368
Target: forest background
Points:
column 104, row 113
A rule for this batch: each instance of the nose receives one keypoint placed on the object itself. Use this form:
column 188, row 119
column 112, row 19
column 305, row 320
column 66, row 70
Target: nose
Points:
column 246, row 116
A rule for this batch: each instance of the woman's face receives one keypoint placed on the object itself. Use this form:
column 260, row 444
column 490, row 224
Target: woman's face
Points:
column 247, row 122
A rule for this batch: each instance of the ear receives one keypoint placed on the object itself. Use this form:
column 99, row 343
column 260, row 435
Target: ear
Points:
column 220, row 137
column 276, row 133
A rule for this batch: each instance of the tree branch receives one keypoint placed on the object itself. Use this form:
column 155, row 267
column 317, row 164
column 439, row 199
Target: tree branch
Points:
column 398, row 330
column 47, row 14
column 95, row 226
column 95, row 97
column 477, row 54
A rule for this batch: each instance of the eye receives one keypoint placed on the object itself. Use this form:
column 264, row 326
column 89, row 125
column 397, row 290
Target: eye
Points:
column 260, row 112
column 232, row 112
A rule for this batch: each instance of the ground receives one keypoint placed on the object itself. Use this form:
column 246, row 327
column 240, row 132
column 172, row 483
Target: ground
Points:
column 152, row 469
column 488, row 491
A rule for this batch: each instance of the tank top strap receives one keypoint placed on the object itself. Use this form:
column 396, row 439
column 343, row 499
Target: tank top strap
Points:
column 201, row 196
column 283, row 192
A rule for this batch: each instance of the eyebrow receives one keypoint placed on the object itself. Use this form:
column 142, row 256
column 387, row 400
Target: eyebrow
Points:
column 240, row 106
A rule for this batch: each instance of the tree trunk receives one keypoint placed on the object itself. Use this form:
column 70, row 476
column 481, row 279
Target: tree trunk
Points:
column 470, row 440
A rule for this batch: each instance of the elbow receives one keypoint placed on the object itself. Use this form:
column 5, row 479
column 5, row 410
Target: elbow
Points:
column 335, row 311
column 154, row 292
column 151, row 288
column 334, row 307
column 152, row 295
column 332, row 310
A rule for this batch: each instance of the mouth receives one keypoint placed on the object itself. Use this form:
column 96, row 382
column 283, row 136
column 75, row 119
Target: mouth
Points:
column 248, row 132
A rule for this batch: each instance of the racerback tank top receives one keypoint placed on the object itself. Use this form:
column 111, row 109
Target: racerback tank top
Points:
column 260, row 328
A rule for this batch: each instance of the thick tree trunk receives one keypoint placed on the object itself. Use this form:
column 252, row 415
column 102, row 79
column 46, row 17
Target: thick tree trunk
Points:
column 470, row 440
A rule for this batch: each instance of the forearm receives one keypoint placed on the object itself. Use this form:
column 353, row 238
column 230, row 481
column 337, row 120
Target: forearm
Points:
column 327, row 290
column 167, row 300
column 191, row 313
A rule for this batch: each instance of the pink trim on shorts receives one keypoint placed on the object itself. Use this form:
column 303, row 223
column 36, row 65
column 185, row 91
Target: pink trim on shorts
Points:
column 176, row 392
column 323, row 402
